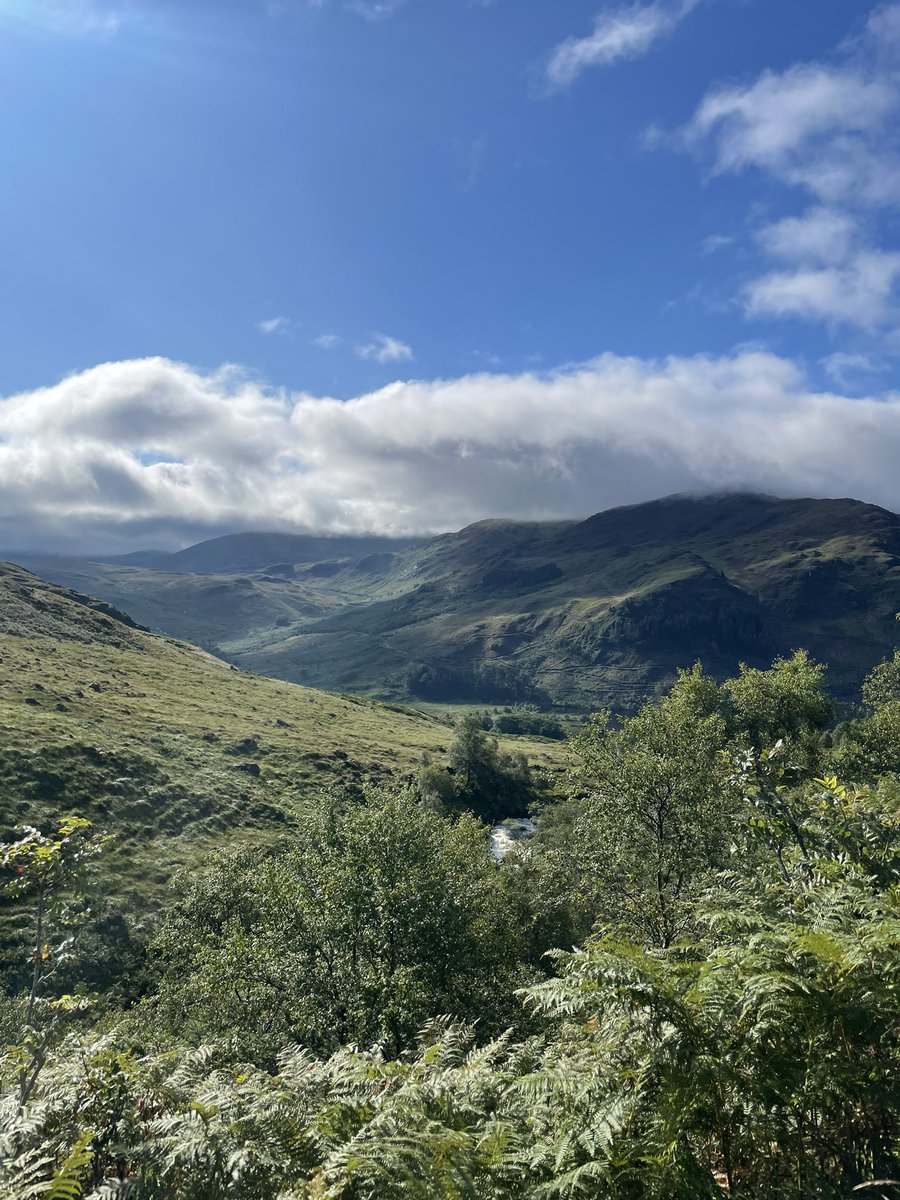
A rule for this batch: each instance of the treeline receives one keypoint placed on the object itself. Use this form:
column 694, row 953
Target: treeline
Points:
column 479, row 683
column 523, row 719
column 374, row 1009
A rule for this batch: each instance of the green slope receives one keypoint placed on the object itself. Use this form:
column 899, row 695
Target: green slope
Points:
column 160, row 743
column 575, row 614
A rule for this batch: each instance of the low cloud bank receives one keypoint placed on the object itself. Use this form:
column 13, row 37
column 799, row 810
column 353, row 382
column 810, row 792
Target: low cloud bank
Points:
column 154, row 453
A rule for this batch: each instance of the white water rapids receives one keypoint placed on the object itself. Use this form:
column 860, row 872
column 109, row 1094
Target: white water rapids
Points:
column 505, row 835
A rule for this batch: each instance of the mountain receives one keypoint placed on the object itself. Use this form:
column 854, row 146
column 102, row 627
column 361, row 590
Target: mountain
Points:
column 168, row 748
column 575, row 614
column 240, row 552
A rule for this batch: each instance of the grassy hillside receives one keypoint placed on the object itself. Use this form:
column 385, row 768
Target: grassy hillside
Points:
column 574, row 614
column 171, row 749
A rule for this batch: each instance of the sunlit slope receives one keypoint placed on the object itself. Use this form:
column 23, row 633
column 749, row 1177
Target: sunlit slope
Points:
column 162, row 742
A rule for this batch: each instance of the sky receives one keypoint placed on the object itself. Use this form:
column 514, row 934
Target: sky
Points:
column 399, row 265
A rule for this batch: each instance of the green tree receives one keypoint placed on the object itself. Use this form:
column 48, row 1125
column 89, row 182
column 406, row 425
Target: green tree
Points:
column 869, row 746
column 379, row 916
column 788, row 703
column 493, row 783
column 655, row 817
column 882, row 685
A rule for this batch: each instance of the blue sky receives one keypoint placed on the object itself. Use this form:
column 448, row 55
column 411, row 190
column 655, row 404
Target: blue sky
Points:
column 336, row 196
column 171, row 183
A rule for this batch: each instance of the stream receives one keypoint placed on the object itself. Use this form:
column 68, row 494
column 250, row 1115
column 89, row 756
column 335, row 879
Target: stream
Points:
column 505, row 835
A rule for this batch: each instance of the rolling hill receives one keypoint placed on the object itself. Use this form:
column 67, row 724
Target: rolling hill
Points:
column 572, row 614
column 169, row 748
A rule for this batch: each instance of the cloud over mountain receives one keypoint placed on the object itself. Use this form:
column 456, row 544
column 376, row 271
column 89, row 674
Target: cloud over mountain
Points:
column 152, row 452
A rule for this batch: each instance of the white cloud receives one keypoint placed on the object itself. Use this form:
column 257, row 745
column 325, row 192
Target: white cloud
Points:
column 859, row 292
column 153, row 452
column 371, row 10
column 472, row 160
column 834, row 275
column 845, row 368
column 823, row 235
column 375, row 10
column 277, row 8
column 281, row 325
column 385, row 349
column 829, row 129
column 883, row 29
column 327, row 341
column 802, row 125
column 618, row 34
column 715, row 242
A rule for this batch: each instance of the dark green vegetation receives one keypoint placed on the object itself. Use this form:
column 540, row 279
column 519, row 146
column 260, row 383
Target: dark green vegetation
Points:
column 353, row 1001
column 571, row 614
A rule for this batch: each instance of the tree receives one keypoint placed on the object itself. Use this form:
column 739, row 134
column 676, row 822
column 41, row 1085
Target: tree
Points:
column 882, row 685
column 869, row 747
column 655, row 813
column 787, row 703
column 493, row 783
column 377, row 917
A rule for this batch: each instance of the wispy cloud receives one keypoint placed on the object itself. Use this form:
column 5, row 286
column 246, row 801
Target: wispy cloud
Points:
column 829, row 129
column 276, row 8
column 71, row 18
column 370, row 10
column 715, row 242
column 375, row 10
column 824, row 235
column 327, row 341
column 858, row 292
column 472, row 159
column 283, row 326
column 849, row 369
column 833, row 273
column 818, row 126
column 385, row 349
column 618, row 34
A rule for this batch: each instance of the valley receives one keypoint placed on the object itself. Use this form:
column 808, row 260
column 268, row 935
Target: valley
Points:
column 570, row 615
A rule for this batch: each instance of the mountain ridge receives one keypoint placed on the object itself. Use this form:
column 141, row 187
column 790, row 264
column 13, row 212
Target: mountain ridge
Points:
column 583, row 613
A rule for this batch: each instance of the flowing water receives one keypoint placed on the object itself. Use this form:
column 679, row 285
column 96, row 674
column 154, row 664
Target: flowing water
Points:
column 505, row 835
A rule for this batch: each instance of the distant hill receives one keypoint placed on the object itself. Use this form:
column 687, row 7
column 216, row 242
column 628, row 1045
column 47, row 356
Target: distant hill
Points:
column 236, row 553
column 568, row 613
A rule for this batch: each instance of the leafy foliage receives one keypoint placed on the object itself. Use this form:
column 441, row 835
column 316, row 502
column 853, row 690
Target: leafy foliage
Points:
column 655, row 820
column 375, row 917
column 728, row 1027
